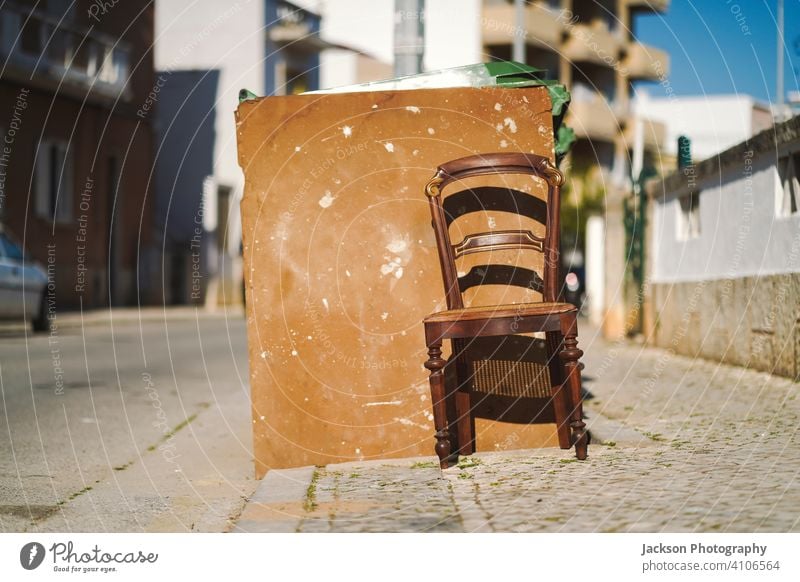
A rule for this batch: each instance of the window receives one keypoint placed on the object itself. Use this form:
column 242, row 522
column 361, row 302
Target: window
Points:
column 108, row 70
column 59, row 48
column 297, row 81
column 54, row 181
column 689, row 216
column 787, row 190
column 108, row 63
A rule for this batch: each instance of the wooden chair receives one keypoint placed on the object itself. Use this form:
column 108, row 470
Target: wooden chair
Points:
column 463, row 325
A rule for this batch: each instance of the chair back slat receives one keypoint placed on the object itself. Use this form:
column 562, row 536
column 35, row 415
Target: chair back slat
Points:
column 446, row 210
column 499, row 240
column 494, row 199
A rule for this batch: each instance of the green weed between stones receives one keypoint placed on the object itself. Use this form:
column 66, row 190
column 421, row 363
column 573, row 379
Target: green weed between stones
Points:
column 467, row 462
column 310, row 502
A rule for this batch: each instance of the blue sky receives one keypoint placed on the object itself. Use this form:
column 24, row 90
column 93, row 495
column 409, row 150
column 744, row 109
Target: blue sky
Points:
column 724, row 46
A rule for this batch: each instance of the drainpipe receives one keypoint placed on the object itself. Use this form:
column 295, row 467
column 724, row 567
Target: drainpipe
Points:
column 518, row 48
column 779, row 81
column 409, row 36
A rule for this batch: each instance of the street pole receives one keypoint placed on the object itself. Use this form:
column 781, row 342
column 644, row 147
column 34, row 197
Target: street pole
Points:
column 637, row 159
column 409, row 36
column 518, row 50
column 779, row 80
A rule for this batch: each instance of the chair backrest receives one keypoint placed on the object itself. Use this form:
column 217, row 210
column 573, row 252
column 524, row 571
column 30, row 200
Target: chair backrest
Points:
column 489, row 199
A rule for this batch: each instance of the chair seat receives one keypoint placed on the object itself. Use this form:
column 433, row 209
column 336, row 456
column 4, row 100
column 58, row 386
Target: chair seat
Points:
column 497, row 311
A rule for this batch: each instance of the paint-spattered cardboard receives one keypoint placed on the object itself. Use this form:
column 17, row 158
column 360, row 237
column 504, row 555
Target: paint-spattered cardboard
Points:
column 341, row 264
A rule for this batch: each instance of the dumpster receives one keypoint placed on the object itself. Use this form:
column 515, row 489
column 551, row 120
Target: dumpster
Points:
column 340, row 258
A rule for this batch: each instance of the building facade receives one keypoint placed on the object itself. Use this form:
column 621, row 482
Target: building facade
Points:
column 724, row 276
column 591, row 47
column 76, row 158
column 205, row 54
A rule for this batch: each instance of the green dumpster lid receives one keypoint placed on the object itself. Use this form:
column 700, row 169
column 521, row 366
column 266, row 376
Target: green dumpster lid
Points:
column 504, row 73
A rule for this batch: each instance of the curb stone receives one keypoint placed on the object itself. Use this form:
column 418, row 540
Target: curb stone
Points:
column 605, row 431
column 277, row 504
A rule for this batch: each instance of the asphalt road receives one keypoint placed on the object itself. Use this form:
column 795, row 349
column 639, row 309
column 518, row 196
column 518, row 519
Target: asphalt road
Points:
column 131, row 426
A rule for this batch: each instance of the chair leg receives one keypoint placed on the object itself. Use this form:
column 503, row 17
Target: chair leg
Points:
column 570, row 354
column 435, row 364
column 559, row 396
column 466, row 436
column 463, row 419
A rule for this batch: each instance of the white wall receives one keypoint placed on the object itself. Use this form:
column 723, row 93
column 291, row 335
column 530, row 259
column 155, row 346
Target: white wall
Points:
column 452, row 32
column 714, row 123
column 367, row 26
column 740, row 234
column 337, row 68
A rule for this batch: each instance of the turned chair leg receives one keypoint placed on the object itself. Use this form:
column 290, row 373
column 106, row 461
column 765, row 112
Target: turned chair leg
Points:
column 435, row 364
column 570, row 354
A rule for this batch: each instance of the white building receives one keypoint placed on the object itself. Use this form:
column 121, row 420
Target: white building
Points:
column 713, row 123
column 724, row 279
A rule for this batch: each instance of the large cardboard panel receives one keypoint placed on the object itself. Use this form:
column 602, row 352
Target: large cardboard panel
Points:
column 341, row 265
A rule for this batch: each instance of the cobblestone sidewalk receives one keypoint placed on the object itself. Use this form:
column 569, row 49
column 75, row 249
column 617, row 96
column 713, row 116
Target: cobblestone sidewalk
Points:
column 684, row 446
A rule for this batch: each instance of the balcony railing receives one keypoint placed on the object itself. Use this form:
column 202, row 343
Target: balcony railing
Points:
column 593, row 43
column 593, row 117
column 36, row 45
column 543, row 25
column 646, row 62
column 654, row 5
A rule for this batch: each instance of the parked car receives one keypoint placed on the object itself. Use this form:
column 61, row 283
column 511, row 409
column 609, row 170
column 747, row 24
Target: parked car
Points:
column 22, row 285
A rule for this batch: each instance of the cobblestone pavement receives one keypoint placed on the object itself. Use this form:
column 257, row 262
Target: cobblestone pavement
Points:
column 684, row 446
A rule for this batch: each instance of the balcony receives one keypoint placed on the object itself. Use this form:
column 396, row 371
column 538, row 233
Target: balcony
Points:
column 543, row 26
column 648, row 5
column 644, row 62
column 59, row 56
column 594, row 118
column 592, row 44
